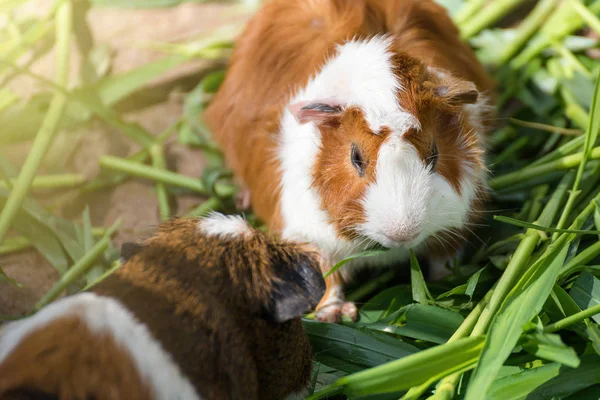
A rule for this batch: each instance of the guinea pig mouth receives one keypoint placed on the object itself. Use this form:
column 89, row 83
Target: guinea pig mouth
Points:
column 388, row 241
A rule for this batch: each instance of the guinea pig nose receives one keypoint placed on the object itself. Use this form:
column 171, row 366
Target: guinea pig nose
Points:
column 402, row 236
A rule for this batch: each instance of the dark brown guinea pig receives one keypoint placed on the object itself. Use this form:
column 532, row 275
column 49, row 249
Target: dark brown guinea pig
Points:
column 204, row 309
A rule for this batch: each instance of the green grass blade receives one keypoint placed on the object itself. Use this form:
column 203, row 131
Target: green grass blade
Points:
column 419, row 287
column 367, row 253
column 80, row 268
column 550, row 347
column 167, row 177
column 524, row 224
column 586, row 292
column 591, row 137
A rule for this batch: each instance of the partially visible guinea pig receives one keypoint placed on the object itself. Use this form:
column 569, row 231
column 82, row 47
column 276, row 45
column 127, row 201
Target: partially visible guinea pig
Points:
column 204, row 309
column 354, row 123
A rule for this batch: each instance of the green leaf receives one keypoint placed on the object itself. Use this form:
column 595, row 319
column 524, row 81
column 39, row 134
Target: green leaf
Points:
column 524, row 224
column 419, row 321
column 410, row 371
column 593, row 332
column 597, row 215
column 385, row 302
column 560, row 305
column 363, row 348
column 550, row 347
column 586, row 292
column 198, row 133
column 519, row 385
column 522, row 303
column 569, row 380
column 61, row 228
column 419, row 287
column 467, row 289
column 552, row 381
column 96, row 270
column 367, row 253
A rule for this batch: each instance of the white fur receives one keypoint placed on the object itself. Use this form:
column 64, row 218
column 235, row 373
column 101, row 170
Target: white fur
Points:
column 406, row 200
column 217, row 224
column 106, row 315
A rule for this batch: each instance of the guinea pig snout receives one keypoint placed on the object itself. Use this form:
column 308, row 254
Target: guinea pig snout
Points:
column 402, row 236
column 403, row 233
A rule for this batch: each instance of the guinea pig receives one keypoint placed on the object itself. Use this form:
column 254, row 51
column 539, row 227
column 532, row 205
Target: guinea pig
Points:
column 353, row 124
column 204, row 309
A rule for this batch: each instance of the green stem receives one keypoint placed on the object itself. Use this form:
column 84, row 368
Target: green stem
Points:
column 371, row 286
column 51, row 181
column 559, row 24
column 527, row 173
column 492, row 13
column 566, row 149
column 580, row 259
column 49, row 126
column 468, row 11
column 158, row 161
column 526, row 29
column 571, row 59
column 209, row 205
column 513, row 271
column 140, row 157
column 80, row 267
column 547, row 128
column 167, row 177
column 14, row 244
column 572, row 319
column 586, row 15
column 577, row 114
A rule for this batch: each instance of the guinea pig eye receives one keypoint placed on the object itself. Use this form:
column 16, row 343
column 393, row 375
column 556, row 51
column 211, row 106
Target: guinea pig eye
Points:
column 357, row 160
column 433, row 156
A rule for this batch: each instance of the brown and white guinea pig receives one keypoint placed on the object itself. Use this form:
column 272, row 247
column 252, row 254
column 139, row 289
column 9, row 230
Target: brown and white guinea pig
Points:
column 351, row 123
column 204, row 309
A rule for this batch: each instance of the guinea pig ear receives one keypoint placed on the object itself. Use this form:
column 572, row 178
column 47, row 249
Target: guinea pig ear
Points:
column 458, row 92
column 453, row 90
column 129, row 250
column 319, row 111
column 297, row 289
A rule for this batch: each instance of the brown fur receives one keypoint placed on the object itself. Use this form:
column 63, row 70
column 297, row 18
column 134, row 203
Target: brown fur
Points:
column 335, row 178
column 288, row 41
column 226, row 310
column 71, row 367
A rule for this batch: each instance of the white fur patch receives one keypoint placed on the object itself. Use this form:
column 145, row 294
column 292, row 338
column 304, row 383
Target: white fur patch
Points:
column 106, row 315
column 217, row 224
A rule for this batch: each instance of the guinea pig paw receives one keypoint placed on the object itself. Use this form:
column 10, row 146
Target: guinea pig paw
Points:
column 349, row 310
column 333, row 313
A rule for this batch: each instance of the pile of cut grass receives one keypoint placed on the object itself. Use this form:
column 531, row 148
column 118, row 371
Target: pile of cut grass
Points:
column 518, row 316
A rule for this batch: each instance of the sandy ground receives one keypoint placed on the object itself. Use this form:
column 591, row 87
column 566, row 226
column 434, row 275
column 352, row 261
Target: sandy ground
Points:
column 125, row 32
